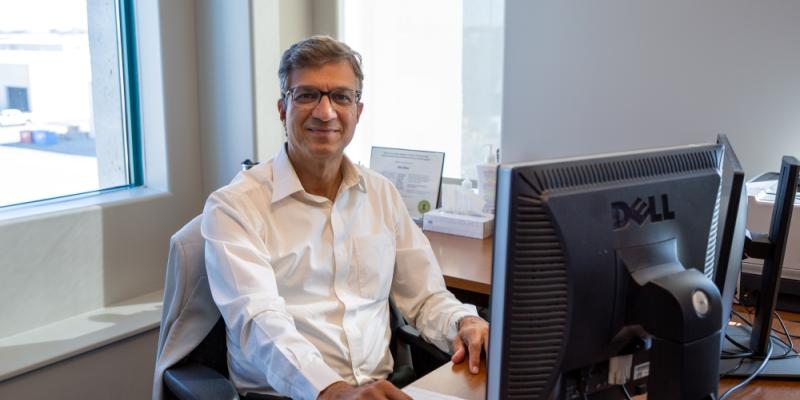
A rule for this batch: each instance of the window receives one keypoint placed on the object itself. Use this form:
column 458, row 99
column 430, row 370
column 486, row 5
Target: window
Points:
column 65, row 260
column 67, row 105
column 433, row 77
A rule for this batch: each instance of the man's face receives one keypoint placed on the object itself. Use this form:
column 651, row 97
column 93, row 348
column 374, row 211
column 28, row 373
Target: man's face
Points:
column 320, row 131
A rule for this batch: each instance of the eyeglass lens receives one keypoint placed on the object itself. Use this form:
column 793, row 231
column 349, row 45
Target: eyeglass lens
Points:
column 310, row 95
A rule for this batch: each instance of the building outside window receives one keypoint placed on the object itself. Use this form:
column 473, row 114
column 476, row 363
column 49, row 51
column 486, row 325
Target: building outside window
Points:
column 433, row 77
column 63, row 114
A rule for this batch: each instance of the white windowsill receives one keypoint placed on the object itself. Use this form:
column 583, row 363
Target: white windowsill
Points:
column 36, row 348
column 78, row 202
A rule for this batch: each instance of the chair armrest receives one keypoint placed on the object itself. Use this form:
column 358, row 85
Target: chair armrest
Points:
column 425, row 357
column 409, row 335
column 193, row 381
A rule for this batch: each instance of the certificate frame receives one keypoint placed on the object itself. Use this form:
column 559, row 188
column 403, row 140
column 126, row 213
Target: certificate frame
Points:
column 417, row 175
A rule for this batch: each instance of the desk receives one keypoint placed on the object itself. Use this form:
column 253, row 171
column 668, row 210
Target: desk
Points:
column 467, row 265
column 457, row 380
column 466, row 262
column 762, row 389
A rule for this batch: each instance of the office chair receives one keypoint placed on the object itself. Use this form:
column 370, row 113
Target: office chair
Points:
column 191, row 362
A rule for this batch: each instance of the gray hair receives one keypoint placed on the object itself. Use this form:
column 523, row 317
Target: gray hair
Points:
column 317, row 51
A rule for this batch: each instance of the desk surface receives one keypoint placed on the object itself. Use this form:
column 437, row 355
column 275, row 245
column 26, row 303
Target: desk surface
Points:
column 769, row 388
column 457, row 380
column 466, row 263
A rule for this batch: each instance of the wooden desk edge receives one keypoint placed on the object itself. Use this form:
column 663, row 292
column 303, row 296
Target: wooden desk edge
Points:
column 466, row 262
column 468, row 285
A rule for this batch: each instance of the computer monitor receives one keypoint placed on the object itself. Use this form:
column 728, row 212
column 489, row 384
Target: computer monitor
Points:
column 591, row 255
column 746, row 348
column 730, row 228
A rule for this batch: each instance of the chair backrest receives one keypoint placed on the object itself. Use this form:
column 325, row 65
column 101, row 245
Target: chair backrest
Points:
column 189, row 312
column 213, row 350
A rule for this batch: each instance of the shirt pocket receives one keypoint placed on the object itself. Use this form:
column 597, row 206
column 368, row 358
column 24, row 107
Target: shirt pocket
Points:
column 374, row 262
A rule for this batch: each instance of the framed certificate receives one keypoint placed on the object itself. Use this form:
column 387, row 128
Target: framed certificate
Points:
column 417, row 175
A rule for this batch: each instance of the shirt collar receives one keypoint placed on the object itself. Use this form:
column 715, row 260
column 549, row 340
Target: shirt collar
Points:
column 286, row 182
column 284, row 178
column 352, row 176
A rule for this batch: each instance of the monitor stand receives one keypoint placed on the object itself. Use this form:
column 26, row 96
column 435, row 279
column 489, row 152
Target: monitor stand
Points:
column 785, row 368
column 770, row 248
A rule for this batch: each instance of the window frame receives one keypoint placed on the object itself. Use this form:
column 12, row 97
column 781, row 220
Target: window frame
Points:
column 130, row 82
column 105, row 247
column 131, row 112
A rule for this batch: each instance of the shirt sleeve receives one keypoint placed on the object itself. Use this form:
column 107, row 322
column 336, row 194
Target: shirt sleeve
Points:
column 243, row 286
column 418, row 287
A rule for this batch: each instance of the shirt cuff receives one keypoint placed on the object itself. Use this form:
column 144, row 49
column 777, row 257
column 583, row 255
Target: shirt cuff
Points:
column 468, row 310
column 319, row 376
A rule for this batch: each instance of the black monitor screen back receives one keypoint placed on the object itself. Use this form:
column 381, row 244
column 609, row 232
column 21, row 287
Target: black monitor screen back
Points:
column 577, row 245
column 731, row 227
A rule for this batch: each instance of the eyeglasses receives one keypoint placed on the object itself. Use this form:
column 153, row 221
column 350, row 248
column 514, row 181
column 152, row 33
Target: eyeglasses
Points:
column 306, row 96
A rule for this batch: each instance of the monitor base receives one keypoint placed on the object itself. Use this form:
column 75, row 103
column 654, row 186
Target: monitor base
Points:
column 785, row 368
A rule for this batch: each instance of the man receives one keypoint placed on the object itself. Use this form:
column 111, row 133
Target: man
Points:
column 304, row 252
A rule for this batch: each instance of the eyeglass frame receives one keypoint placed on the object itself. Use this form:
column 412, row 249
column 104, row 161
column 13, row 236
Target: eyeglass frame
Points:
column 287, row 96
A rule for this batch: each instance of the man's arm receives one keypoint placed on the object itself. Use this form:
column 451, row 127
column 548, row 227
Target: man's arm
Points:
column 419, row 292
column 244, row 287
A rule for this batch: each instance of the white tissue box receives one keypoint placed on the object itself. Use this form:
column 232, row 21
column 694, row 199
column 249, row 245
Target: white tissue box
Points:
column 479, row 227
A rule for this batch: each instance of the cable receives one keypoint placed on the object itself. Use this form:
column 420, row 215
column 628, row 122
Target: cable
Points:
column 790, row 334
column 785, row 331
column 737, row 356
column 747, row 353
column 741, row 317
column 780, row 319
column 727, row 355
column 788, row 346
column 736, row 343
column 734, row 369
column 625, row 392
column 751, row 377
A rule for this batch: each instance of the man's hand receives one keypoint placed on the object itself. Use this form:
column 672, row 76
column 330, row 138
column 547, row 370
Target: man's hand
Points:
column 378, row 390
column 473, row 334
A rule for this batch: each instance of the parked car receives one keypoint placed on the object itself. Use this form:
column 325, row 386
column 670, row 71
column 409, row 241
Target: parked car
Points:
column 12, row 116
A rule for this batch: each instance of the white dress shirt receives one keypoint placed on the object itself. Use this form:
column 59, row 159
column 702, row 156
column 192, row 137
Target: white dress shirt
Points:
column 303, row 283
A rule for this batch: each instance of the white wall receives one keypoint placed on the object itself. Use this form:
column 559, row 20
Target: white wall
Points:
column 267, row 49
column 276, row 25
column 588, row 77
column 119, row 371
column 227, row 120
column 241, row 42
